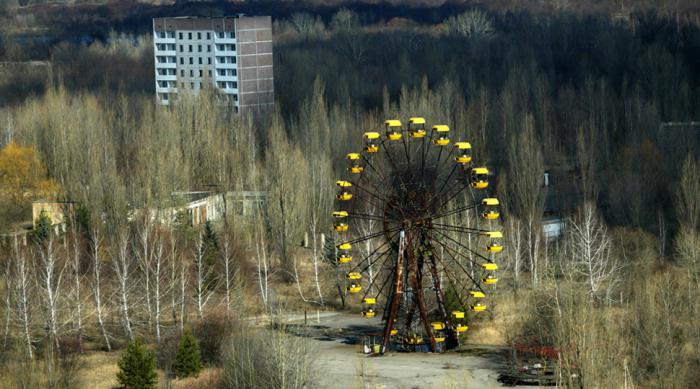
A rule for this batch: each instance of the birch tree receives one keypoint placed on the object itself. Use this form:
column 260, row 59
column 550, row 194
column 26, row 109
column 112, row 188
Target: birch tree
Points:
column 77, row 276
column 590, row 252
column 525, row 174
column 95, row 251
column 205, row 283
column 122, row 271
column 49, row 280
column 22, row 294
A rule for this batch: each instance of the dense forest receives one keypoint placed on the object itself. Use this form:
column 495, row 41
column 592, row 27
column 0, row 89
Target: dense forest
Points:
column 608, row 105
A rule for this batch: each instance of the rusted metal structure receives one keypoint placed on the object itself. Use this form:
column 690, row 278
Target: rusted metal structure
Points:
column 417, row 213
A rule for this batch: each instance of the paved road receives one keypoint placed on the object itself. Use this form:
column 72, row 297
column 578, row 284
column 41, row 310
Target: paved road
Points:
column 341, row 363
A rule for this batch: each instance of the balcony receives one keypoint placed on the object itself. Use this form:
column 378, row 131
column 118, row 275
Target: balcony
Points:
column 224, row 40
column 170, row 53
column 165, row 90
column 158, row 39
column 225, row 78
column 166, row 65
column 166, row 77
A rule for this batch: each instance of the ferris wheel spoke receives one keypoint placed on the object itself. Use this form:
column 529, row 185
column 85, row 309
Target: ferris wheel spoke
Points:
column 374, row 280
column 453, row 280
column 374, row 169
column 468, row 230
column 372, row 235
column 449, row 252
column 458, row 192
column 365, row 190
column 464, row 247
column 375, row 250
column 454, row 211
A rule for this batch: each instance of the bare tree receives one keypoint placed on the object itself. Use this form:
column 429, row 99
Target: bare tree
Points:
column 22, row 293
column 205, row 282
column 95, row 248
column 525, row 172
column 262, row 259
column 144, row 256
column 229, row 273
column 183, row 278
column 77, row 276
column 687, row 202
column 8, row 298
column 514, row 244
column 158, row 266
column 122, row 271
column 590, row 251
column 49, row 280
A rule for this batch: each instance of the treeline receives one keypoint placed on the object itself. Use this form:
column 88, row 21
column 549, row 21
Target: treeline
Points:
column 584, row 98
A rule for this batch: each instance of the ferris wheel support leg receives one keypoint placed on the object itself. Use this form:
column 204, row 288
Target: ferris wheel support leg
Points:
column 452, row 339
column 396, row 294
column 417, row 287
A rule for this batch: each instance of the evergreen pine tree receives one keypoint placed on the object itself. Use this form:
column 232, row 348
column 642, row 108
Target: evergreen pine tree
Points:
column 42, row 230
column 137, row 367
column 188, row 358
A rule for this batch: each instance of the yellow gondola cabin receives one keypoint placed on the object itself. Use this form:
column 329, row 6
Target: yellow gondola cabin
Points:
column 490, row 208
column 464, row 152
column 393, row 129
column 371, row 142
column 355, row 166
column 442, row 132
column 480, row 178
column 416, row 127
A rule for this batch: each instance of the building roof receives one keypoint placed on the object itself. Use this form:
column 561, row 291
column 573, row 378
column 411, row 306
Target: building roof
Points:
column 196, row 23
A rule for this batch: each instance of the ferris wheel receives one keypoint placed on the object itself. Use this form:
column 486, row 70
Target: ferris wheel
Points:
column 417, row 234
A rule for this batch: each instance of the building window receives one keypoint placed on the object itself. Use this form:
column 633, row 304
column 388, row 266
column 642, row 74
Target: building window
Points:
column 181, row 49
column 235, row 97
column 192, row 85
column 182, row 61
column 200, row 60
column 233, row 47
column 189, row 35
column 233, row 72
column 180, row 34
column 171, row 34
column 209, row 71
column 190, row 48
column 232, row 59
column 191, row 73
column 230, row 34
column 208, row 35
column 161, row 34
column 209, row 61
column 221, row 35
column 191, row 61
column 208, row 48
column 199, row 35
column 182, row 73
column 199, row 48
column 165, row 96
column 200, row 72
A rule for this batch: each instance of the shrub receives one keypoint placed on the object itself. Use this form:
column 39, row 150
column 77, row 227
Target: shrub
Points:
column 187, row 361
column 267, row 359
column 211, row 335
column 137, row 367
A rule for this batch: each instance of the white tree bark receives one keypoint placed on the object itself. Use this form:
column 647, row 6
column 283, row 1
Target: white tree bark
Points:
column 49, row 279
column 590, row 250
column 205, row 286
column 262, row 261
column 144, row 254
column 22, row 294
column 95, row 246
column 122, row 271
column 157, row 281
column 77, row 278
